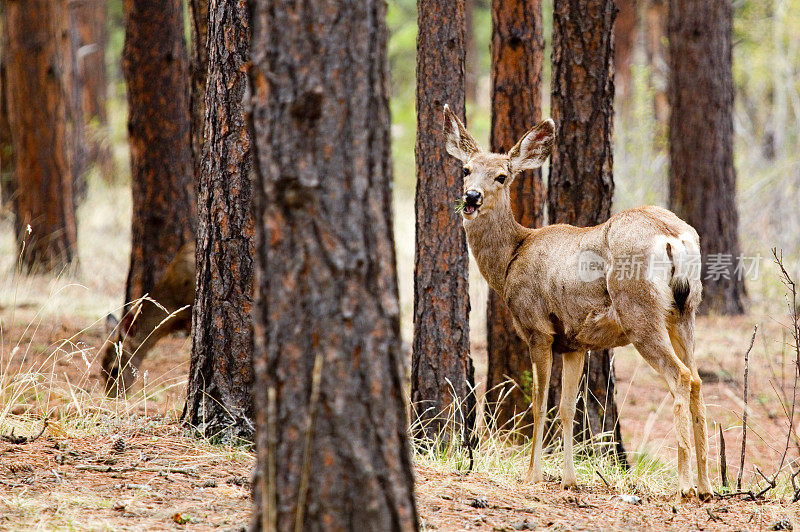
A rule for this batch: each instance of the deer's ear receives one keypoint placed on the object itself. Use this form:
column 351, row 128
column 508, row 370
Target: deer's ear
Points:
column 534, row 147
column 460, row 143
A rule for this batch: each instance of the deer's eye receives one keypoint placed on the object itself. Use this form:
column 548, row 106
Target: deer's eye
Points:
column 466, row 171
column 501, row 178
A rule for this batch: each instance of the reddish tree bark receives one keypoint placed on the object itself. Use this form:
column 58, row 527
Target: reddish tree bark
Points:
column 657, row 58
column 702, row 184
column 517, row 55
column 441, row 369
column 625, row 31
column 156, row 72
column 6, row 147
column 332, row 445
column 39, row 81
column 198, row 69
column 219, row 400
column 581, row 183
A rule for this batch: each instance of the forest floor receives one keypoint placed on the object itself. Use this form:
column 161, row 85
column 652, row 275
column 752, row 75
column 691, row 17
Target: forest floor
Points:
column 129, row 465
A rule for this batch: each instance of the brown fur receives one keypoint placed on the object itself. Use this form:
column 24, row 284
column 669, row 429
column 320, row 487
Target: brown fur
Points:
column 131, row 340
column 536, row 272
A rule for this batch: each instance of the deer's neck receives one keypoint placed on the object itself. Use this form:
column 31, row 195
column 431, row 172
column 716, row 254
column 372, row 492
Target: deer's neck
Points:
column 494, row 236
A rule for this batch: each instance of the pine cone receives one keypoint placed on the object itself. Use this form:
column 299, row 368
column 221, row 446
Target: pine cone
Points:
column 119, row 445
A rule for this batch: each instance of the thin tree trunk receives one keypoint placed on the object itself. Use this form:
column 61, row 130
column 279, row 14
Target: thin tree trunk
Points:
column 702, row 184
column 332, row 445
column 625, row 30
column 6, row 146
column 581, row 183
column 442, row 375
column 470, row 53
column 657, row 58
column 198, row 68
column 38, row 76
column 91, row 17
column 219, row 399
column 517, row 55
column 78, row 137
column 156, row 72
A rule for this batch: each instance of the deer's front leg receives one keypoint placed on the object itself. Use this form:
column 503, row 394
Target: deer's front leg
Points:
column 572, row 369
column 542, row 359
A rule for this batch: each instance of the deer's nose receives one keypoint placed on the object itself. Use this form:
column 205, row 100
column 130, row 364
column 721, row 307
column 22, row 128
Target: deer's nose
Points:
column 472, row 197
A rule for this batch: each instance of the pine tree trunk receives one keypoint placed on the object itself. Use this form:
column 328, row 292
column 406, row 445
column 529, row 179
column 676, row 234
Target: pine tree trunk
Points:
column 442, row 375
column 38, row 76
column 517, row 54
column 156, row 72
column 471, row 66
column 6, row 146
column 219, row 398
column 581, row 183
column 198, row 68
column 332, row 442
column 91, row 17
column 78, row 137
column 656, row 49
column 702, row 184
column 625, row 30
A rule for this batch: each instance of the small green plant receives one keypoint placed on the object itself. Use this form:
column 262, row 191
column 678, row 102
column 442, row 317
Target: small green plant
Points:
column 460, row 204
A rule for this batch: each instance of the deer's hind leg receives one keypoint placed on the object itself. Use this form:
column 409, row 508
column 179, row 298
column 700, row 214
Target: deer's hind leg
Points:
column 681, row 334
column 656, row 349
column 645, row 322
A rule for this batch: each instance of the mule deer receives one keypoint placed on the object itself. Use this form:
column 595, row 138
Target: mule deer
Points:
column 144, row 325
column 571, row 289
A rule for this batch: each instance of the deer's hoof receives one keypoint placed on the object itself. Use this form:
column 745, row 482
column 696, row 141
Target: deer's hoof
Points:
column 569, row 484
column 687, row 494
column 705, row 495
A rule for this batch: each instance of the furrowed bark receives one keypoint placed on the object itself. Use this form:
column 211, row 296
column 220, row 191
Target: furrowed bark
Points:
column 441, row 369
column 326, row 286
column 219, row 399
column 38, row 60
column 163, row 189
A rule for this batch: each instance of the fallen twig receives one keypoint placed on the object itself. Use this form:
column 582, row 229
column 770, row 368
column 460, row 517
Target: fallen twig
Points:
column 512, row 509
column 599, row 474
column 22, row 440
column 712, row 516
column 188, row 471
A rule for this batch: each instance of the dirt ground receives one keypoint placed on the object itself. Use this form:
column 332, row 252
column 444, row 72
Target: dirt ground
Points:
column 157, row 478
column 480, row 502
column 151, row 478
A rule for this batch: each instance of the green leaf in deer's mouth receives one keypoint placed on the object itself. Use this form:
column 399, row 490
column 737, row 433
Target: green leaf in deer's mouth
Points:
column 460, row 204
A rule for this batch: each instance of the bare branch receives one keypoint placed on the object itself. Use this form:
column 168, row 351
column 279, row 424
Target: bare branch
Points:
column 744, row 411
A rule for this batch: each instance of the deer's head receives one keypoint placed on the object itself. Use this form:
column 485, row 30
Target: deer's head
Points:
column 487, row 176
